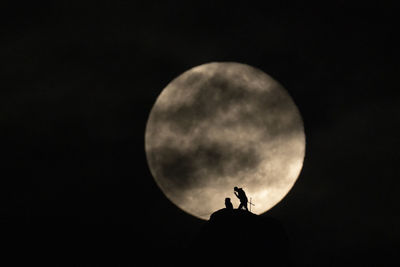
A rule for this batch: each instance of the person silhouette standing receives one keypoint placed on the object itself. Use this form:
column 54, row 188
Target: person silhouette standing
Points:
column 241, row 195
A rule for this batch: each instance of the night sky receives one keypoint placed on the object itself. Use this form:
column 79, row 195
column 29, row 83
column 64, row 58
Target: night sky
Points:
column 78, row 82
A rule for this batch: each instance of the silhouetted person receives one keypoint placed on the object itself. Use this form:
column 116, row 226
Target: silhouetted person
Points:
column 228, row 204
column 241, row 195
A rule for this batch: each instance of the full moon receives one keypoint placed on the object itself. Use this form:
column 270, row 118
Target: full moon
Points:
column 221, row 125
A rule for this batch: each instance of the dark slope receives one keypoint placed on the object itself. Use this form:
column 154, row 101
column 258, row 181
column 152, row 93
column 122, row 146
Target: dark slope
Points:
column 239, row 238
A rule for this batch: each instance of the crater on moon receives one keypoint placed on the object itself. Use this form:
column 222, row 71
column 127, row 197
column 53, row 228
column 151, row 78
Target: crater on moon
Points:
column 221, row 125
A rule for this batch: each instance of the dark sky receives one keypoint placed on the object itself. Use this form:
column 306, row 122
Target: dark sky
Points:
column 78, row 82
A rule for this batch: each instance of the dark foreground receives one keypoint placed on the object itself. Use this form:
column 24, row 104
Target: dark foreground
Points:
column 239, row 238
column 229, row 238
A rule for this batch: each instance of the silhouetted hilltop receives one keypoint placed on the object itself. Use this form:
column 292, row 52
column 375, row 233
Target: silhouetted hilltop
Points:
column 240, row 238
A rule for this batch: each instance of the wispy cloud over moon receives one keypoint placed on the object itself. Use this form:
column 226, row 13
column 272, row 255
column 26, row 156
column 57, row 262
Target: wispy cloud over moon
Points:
column 221, row 125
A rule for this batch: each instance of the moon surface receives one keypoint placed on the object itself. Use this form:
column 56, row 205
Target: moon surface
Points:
column 220, row 125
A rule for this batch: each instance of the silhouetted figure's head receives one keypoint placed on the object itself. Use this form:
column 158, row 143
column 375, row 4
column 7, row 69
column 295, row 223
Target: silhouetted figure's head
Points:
column 235, row 188
column 228, row 203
